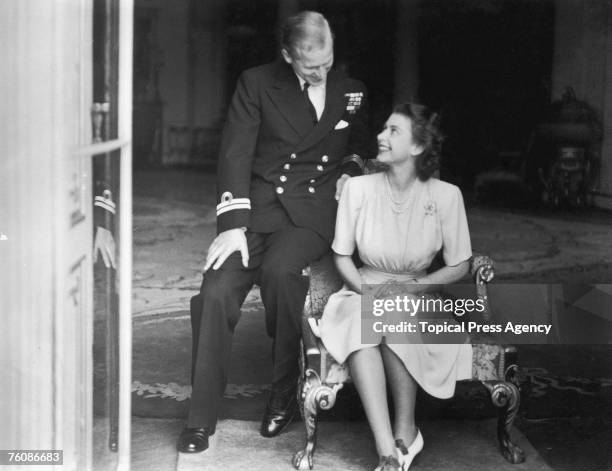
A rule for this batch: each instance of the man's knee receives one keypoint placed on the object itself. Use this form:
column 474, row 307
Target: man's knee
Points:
column 217, row 285
column 218, row 293
column 280, row 272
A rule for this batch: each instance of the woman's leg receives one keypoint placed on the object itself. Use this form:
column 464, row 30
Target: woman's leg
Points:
column 368, row 374
column 404, row 390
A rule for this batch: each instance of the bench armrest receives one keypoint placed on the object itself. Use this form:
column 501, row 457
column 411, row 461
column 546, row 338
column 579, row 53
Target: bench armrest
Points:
column 482, row 270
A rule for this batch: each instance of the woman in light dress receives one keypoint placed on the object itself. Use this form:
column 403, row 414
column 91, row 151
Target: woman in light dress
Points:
column 398, row 220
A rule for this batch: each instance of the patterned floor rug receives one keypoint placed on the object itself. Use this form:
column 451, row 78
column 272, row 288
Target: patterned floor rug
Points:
column 558, row 381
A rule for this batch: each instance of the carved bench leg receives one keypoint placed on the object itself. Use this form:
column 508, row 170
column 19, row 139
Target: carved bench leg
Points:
column 302, row 460
column 313, row 397
column 505, row 395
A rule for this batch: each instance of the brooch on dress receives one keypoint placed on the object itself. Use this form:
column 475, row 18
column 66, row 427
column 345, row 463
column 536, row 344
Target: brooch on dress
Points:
column 430, row 208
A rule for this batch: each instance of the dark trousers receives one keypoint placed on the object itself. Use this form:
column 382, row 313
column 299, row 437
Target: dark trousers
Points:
column 276, row 262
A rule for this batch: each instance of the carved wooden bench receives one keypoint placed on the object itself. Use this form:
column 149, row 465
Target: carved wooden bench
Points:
column 493, row 365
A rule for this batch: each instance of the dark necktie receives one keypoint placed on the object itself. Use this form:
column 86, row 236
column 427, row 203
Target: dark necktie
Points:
column 309, row 105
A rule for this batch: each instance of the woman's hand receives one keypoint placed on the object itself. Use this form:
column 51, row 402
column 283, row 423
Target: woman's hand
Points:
column 430, row 283
column 445, row 276
column 392, row 287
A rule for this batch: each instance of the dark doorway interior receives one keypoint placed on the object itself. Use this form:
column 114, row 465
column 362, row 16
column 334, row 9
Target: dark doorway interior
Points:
column 486, row 66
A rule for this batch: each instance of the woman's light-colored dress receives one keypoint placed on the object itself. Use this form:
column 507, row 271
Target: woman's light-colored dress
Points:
column 397, row 240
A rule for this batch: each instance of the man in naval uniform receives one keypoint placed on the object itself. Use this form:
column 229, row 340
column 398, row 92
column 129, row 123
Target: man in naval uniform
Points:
column 295, row 131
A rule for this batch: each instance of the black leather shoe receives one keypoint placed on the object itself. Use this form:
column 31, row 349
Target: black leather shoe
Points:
column 280, row 411
column 193, row 440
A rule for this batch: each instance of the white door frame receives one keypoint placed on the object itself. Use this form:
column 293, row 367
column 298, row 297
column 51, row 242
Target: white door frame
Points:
column 124, row 145
column 126, row 36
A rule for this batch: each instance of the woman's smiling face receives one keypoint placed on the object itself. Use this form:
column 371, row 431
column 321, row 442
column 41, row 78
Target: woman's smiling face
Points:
column 395, row 143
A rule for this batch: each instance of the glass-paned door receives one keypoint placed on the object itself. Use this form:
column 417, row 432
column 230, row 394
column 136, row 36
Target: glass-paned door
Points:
column 111, row 196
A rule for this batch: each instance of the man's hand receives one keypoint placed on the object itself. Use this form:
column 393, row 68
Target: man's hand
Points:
column 104, row 244
column 225, row 244
column 340, row 184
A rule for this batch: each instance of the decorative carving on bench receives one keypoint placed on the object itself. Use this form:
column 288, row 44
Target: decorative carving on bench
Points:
column 493, row 365
column 506, row 397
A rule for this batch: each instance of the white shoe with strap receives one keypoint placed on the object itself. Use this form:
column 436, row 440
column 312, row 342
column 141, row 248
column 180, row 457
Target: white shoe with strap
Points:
column 389, row 463
column 407, row 454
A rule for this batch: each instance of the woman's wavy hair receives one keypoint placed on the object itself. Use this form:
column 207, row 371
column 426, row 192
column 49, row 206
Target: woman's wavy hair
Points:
column 426, row 133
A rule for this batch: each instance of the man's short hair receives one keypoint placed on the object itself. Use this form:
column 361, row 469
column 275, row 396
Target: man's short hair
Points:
column 305, row 31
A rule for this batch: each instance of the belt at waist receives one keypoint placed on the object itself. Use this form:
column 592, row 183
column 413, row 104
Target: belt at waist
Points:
column 371, row 275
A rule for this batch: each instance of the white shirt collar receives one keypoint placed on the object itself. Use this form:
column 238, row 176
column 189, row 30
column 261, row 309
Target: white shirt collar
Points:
column 316, row 94
column 302, row 82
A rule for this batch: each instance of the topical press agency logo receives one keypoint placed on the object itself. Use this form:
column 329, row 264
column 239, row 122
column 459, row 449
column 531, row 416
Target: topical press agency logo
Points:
column 522, row 313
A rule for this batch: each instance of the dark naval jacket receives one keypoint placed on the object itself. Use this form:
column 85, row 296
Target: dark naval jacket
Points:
column 275, row 159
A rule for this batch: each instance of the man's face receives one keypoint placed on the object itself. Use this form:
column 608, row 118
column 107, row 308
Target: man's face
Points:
column 312, row 65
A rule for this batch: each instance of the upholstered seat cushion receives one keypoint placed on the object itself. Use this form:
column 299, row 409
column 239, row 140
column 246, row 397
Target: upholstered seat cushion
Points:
column 488, row 364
